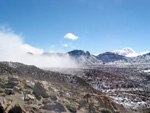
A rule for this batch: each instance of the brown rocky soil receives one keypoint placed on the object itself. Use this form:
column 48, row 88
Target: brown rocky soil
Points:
column 28, row 92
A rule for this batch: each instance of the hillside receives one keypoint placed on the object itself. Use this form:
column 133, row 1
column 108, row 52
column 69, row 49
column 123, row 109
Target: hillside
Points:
column 29, row 89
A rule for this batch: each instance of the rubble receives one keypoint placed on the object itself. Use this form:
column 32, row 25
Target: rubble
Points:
column 31, row 93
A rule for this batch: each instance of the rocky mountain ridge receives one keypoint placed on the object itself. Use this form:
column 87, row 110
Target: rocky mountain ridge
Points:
column 85, row 58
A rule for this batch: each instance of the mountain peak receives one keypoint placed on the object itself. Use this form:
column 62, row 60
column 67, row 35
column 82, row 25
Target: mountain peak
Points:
column 79, row 52
column 128, row 52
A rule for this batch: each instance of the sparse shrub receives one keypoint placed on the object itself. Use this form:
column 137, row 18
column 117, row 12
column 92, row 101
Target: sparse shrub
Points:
column 70, row 104
column 106, row 110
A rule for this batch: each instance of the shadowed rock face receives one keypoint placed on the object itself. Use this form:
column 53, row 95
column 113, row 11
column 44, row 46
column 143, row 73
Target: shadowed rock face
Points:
column 58, row 107
column 40, row 89
column 111, row 57
column 79, row 52
column 17, row 109
column 84, row 58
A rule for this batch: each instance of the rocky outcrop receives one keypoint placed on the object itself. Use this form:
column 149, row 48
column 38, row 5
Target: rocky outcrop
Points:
column 57, row 107
column 5, row 106
column 17, row 109
column 53, row 97
column 9, row 91
column 72, row 109
column 40, row 89
column 12, row 81
column 95, row 103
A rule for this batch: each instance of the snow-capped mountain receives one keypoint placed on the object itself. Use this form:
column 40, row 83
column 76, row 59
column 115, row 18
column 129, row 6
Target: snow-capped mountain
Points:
column 145, row 55
column 111, row 57
column 128, row 52
column 84, row 57
column 144, row 58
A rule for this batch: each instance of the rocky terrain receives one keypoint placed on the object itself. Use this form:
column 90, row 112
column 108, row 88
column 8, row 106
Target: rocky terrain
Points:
column 130, row 88
column 28, row 89
column 127, row 85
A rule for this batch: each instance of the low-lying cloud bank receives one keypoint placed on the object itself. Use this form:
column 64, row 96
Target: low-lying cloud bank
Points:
column 12, row 48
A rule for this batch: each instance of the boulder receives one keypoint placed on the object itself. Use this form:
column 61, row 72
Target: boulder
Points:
column 72, row 109
column 87, row 96
column 9, row 107
column 3, row 104
column 28, row 84
column 28, row 91
column 46, row 101
column 82, row 103
column 57, row 107
column 9, row 91
column 40, row 89
column 40, row 98
column 53, row 97
column 29, row 97
column 17, row 109
column 12, row 81
column 17, row 89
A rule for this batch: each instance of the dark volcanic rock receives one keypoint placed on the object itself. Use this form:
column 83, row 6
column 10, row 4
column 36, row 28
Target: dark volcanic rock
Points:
column 53, row 97
column 111, row 57
column 17, row 109
column 58, row 107
column 40, row 89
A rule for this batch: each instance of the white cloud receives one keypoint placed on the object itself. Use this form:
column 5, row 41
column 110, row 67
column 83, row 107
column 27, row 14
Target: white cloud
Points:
column 31, row 49
column 12, row 43
column 65, row 45
column 71, row 36
column 12, row 48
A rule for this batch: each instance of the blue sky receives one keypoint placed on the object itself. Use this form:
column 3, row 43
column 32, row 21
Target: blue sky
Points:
column 100, row 25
